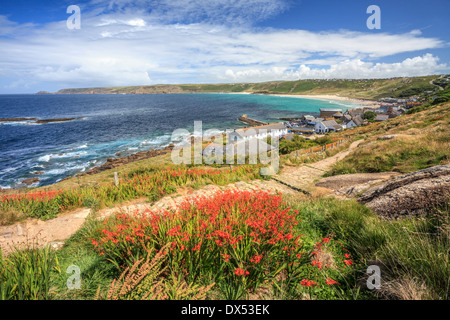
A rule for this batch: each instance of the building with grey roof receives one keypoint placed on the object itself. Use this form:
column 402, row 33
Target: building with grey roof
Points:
column 328, row 112
column 327, row 126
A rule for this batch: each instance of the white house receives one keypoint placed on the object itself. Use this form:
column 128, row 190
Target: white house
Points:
column 354, row 122
column 327, row 126
column 274, row 130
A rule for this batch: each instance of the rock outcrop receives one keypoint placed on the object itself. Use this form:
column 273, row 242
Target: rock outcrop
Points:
column 349, row 185
column 112, row 163
column 412, row 193
column 30, row 181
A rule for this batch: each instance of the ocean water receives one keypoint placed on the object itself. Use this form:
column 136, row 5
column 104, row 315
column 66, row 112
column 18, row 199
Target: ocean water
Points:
column 119, row 123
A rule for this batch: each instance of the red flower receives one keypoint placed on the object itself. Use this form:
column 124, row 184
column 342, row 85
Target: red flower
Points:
column 330, row 281
column 256, row 258
column 308, row 283
column 241, row 272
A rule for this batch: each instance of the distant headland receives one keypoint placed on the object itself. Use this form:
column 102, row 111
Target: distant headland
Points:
column 363, row 89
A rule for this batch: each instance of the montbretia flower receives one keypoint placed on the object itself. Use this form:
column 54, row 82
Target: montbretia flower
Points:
column 241, row 272
column 330, row 281
column 308, row 283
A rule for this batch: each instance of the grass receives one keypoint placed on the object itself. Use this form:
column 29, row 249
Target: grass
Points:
column 25, row 274
column 403, row 154
column 298, row 143
column 292, row 159
column 150, row 182
column 421, row 141
column 410, row 250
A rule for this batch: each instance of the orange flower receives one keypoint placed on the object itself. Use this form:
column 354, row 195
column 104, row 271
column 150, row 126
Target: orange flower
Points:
column 308, row 283
column 241, row 272
column 330, row 281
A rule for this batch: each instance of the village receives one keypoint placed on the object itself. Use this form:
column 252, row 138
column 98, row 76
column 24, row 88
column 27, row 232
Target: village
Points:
column 328, row 120
column 253, row 138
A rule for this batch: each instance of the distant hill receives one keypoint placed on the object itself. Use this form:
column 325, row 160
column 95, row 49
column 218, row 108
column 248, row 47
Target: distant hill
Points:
column 358, row 88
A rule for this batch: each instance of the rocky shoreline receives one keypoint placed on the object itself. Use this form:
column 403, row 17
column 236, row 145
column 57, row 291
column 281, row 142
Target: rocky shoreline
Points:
column 116, row 162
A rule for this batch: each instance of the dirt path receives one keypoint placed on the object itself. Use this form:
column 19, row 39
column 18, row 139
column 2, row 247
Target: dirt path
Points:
column 304, row 176
column 56, row 231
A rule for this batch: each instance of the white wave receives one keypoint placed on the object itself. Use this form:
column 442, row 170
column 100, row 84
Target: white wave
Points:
column 45, row 158
column 7, row 170
column 65, row 169
column 212, row 132
column 157, row 140
column 20, row 123
column 72, row 154
column 345, row 104
column 55, row 172
column 48, row 157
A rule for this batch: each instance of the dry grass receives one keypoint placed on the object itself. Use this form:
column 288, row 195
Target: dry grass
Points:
column 140, row 281
column 404, row 153
column 10, row 217
column 405, row 289
column 145, row 280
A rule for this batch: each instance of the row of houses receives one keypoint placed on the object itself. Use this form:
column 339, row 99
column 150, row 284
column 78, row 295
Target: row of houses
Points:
column 335, row 120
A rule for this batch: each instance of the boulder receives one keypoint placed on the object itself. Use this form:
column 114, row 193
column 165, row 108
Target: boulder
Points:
column 412, row 193
column 30, row 181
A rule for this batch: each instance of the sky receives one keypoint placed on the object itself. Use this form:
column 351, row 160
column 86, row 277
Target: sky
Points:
column 122, row 42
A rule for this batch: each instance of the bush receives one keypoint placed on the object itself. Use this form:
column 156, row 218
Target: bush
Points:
column 239, row 240
column 369, row 115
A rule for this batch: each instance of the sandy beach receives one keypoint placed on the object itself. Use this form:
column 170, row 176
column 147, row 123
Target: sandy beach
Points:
column 366, row 103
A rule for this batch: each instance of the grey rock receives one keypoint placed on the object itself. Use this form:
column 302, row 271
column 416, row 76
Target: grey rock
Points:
column 387, row 137
column 30, row 181
column 19, row 230
column 7, row 233
column 411, row 193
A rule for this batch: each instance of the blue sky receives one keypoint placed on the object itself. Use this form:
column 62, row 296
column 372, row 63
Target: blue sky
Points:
column 139, row 42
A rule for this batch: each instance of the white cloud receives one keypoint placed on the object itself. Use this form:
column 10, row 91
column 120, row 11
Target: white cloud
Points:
column 133, row 48
column 136, row 22
column 193, row 11
column 352, row 69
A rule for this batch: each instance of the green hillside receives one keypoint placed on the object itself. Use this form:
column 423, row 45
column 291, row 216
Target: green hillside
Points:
column 360, row 88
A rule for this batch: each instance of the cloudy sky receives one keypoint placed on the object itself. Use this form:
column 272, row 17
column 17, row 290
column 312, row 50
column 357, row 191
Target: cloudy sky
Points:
column 139, row 42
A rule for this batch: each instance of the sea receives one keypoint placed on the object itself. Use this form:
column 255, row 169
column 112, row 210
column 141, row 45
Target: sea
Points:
column 120, row 123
